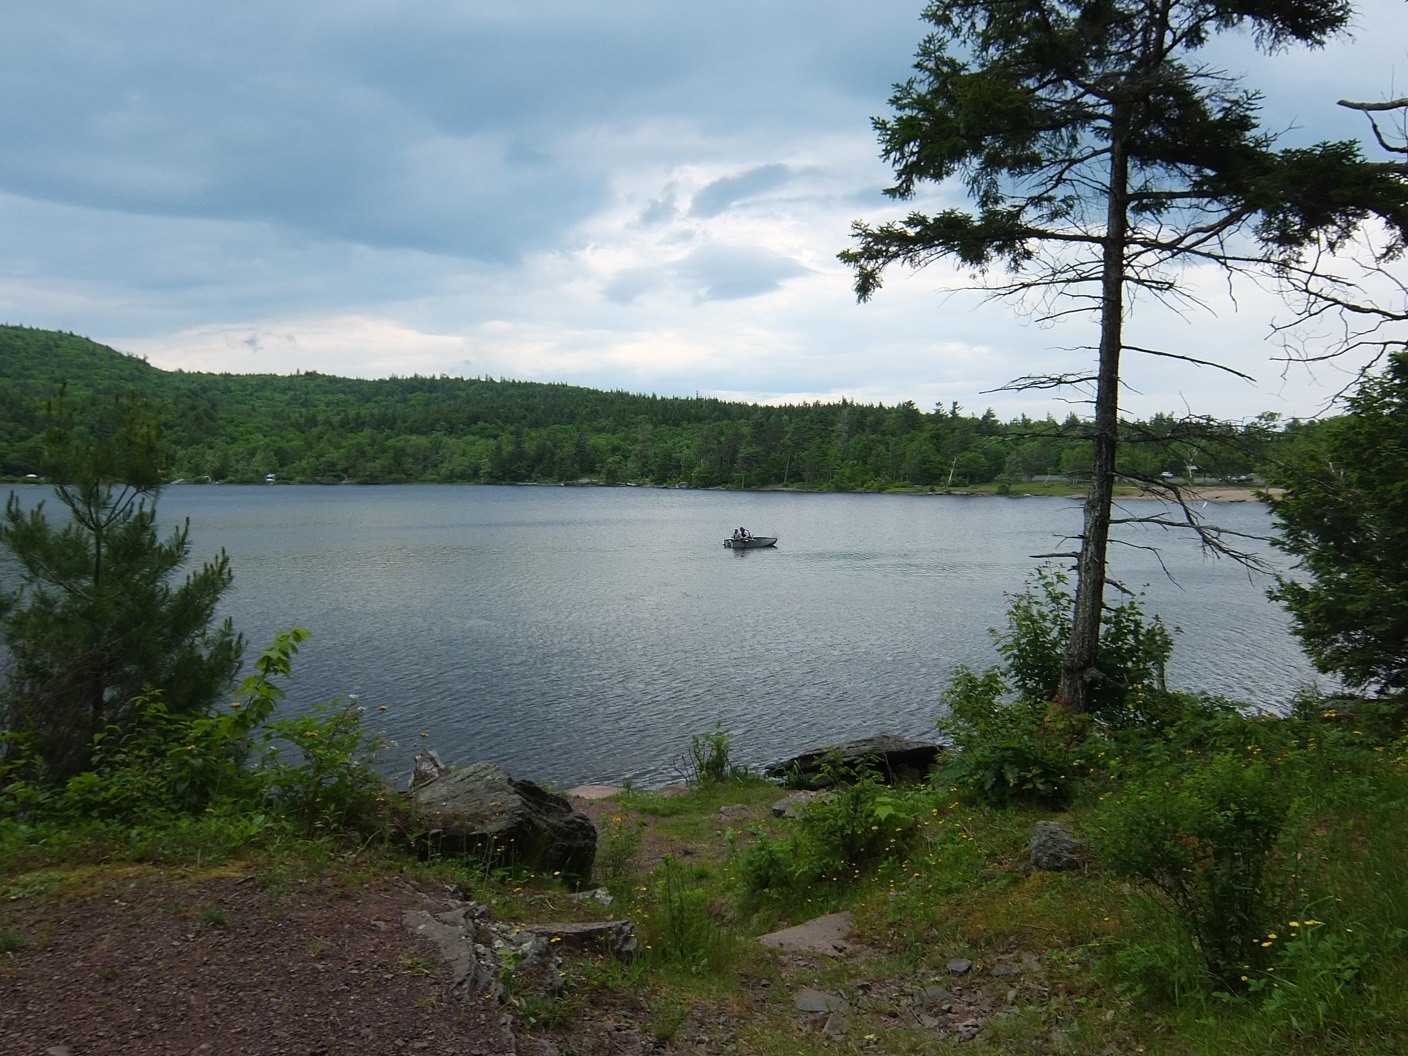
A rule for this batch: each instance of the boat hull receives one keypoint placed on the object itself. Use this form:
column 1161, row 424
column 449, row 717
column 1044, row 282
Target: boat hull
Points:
column 757, row 542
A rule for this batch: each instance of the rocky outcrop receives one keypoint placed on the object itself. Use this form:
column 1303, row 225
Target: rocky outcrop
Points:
column 896, row 760
column 481, row 811
column 492, row 957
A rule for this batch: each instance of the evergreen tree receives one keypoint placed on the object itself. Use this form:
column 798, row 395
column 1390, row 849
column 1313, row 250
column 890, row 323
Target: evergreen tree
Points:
column 89, row 613
column 1344, row 514
column 1102, row 155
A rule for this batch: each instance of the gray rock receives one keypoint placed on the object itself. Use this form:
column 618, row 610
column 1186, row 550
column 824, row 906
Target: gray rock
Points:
column 614, row 937
column 467, row 945
column 968, row 1029
column 1054, row 848
column 935, row 995
column 827, row 935
column 426, row 768
column 960, row 965
column 896, row 760
column 835, row 1026
column 484, row 954
column 791, row 805
column 482, row 811
column 809, row 1000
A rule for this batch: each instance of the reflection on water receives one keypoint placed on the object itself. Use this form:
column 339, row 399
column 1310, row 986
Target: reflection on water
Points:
column 576, row 634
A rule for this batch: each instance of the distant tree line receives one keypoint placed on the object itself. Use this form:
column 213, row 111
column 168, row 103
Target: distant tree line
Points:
column 315, row 428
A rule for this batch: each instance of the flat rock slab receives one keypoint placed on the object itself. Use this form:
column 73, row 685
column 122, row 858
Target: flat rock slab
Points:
column 896, row 760
column 809, row 1000
column 829, row 935
column 594, row 792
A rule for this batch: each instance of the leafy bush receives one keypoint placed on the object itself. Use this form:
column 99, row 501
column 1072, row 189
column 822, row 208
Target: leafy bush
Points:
column 618, row 847
column 1015, row 739
column 1202, row 839
column 334, row 784
column 836, row 838
column 1009, row 750
column 1134, row 650
column 224, row 768
column 854, row 828
column 1313, row 973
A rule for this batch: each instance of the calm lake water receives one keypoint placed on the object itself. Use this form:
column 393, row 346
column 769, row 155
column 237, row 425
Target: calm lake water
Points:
column 584, row 634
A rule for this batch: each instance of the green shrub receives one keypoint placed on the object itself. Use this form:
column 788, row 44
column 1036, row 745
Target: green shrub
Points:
column 854, row 828
column 708, row 761
column 618, row 847
column 225, row 769
column 1134, row 650
column 769, row 863
column 1313, row 972
column 1015, row 739
column 837, row 838
column 1202, row 839
column 333, row 785
column 1009, row 750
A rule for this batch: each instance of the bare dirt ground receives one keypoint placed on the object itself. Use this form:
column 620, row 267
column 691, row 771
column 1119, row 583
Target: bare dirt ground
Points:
column 221, row 963
column 252, row 962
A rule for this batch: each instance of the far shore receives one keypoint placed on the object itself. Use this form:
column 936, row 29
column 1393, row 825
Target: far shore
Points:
column 1045, row 489
column 1217, row 494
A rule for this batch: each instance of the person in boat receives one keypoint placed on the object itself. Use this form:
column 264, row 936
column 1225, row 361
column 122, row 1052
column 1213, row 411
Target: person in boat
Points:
column 737, row 535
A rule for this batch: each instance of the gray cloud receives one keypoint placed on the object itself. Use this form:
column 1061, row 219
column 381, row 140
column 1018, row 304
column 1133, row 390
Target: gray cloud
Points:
column 323, row 116
column 448, row 168
column 731, row 273
column 630, row 284
column 730, row 190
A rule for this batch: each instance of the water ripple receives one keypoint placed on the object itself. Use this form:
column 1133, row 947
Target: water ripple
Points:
column 585, row 634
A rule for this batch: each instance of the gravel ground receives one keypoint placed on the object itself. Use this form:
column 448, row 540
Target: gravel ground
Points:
column 237, row 964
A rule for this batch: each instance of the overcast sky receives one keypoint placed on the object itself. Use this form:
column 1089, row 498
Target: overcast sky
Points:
column 644, row 195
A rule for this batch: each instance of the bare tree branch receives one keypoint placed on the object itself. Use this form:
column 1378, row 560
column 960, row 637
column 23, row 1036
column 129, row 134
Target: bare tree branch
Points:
column 1190, row 359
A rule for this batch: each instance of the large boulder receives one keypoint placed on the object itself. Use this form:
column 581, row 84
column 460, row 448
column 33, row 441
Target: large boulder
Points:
column 896, row 760
column 481, row 811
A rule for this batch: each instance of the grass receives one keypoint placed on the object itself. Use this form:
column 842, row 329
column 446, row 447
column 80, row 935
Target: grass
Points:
column 1074, row 962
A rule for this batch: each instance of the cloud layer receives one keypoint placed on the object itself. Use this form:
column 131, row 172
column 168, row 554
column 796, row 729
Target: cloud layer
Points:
column 642, row 195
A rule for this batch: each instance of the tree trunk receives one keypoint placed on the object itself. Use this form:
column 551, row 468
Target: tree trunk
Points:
column 1079, row 668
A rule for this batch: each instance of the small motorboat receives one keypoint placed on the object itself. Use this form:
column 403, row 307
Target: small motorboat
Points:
column 750, row 542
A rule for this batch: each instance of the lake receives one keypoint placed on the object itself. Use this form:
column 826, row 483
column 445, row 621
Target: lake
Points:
column 584, row 634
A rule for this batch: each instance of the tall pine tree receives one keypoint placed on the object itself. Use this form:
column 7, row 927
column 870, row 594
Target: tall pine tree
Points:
column 90, row 612
column 1100, row 156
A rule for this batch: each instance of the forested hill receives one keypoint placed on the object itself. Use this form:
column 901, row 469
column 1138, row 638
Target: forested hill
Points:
column 315, row 427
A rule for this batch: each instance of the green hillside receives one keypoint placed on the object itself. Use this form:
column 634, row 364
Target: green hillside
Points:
column 314, row 427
